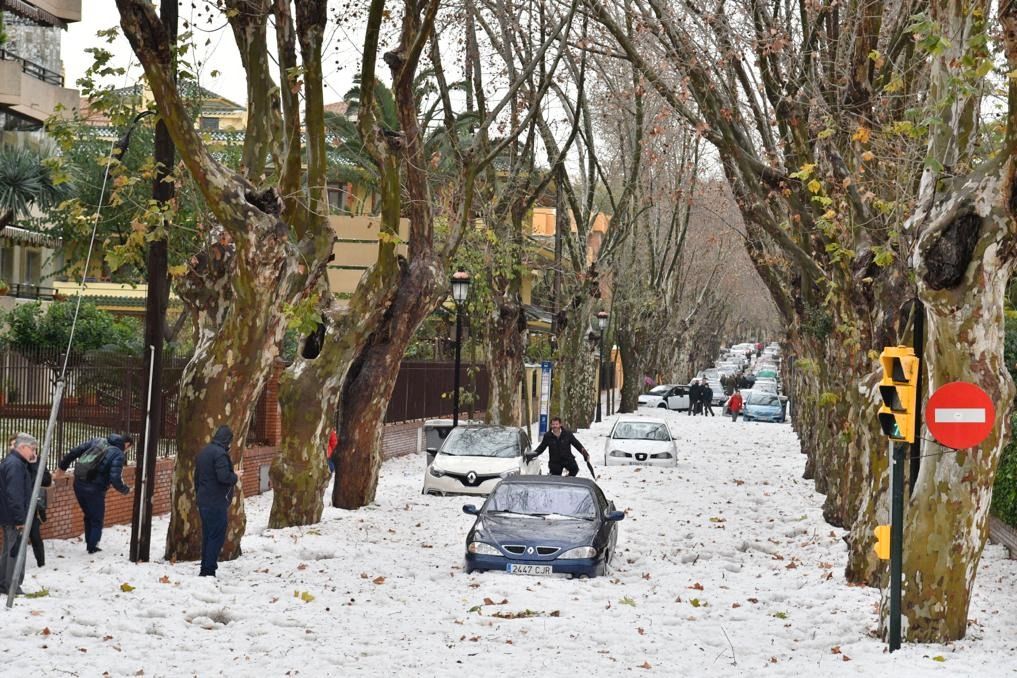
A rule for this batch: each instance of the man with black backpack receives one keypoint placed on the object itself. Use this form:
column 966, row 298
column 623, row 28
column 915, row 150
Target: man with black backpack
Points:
column 98, row 463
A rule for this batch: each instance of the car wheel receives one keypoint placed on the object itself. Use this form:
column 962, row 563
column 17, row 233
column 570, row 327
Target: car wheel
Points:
column 662, row 406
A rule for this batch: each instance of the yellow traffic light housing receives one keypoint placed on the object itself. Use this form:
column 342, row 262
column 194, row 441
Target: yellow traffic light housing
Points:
column 882, row 545
column 899, row 391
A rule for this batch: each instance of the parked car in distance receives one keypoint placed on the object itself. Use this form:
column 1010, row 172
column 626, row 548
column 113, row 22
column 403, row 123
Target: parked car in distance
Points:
column 640, row 440
column 473, row 459
column 669, row 396
column 762, row 406
column 542, row 525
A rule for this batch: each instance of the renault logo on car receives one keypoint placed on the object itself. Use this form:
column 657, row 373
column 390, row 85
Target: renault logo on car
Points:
column 529, row 551
column 471, row 477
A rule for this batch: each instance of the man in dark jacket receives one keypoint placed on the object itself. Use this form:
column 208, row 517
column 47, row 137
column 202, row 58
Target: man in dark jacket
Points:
column 695, row 392
column 214, row 481
column 15, row 496
column 560, row 457
column 706, row 397
column 91, row 491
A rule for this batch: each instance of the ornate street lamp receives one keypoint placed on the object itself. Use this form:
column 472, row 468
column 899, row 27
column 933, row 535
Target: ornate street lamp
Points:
column 460, row 290
column 602, row 324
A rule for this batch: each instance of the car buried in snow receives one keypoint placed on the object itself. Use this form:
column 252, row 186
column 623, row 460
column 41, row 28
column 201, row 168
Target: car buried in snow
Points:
column 666, row 396
column 543, row 525
column 473, row 459
column 762, row 406
column 640, row 440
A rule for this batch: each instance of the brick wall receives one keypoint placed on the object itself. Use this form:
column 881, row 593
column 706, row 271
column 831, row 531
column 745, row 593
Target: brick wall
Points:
column 65, row 520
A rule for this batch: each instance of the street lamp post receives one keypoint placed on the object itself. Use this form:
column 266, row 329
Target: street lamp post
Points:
column 460, row 288
column 602, row 323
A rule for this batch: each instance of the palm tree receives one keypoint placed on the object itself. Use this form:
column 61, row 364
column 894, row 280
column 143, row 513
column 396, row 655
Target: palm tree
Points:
column 349, row 163
column 26, row 181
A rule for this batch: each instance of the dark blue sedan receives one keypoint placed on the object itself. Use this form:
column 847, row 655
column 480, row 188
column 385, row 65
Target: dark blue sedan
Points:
column 543, row 525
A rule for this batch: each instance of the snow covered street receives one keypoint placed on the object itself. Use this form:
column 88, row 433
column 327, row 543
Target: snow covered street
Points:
column 724, row 567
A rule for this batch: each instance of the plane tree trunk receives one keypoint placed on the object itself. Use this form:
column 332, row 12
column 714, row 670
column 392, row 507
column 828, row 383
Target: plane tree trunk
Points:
column 276, row 258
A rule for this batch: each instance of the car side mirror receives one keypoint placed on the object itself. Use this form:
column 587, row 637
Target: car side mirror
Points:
column 613, row 516
column 471, row 509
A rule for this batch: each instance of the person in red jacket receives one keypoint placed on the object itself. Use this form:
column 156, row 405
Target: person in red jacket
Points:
column 734, row 404
column 333, row 440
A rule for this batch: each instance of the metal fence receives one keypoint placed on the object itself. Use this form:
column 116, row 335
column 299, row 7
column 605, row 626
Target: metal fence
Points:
column 423, row 390
column 104, row 393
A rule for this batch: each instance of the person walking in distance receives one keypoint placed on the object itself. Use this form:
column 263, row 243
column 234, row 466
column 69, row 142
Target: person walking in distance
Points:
column 706, row 395
column 214, row 483
column 558, row 441
column 694, row 393
column 734, row 405
column 15, row 496
column 98, row 463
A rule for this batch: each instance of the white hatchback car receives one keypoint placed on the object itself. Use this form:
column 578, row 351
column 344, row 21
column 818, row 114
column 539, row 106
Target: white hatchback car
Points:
column 666, row 396
column 640, row 441
column 473, row 459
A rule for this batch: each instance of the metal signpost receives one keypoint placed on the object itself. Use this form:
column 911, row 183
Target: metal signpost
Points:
column 545, row 394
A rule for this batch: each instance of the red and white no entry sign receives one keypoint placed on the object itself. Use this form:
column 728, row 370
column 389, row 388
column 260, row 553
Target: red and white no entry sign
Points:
column 960, row 415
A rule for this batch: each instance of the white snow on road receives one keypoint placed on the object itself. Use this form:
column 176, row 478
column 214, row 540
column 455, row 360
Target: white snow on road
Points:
column 725, row 567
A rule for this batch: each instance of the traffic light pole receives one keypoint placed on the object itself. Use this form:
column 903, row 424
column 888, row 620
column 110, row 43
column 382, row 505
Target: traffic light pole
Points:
column 896, row 540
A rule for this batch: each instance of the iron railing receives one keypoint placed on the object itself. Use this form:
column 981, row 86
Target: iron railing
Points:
column 104, row 394
column 32, row 69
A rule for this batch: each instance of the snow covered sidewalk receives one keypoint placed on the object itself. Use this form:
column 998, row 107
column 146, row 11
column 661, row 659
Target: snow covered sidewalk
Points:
column 724, row 568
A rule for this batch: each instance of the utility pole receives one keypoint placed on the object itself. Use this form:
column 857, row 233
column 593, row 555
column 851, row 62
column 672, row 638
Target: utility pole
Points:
column 155, row 321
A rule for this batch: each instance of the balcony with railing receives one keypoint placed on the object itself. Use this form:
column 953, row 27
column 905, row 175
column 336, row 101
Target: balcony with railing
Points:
column 32, row 90
column 48, row 12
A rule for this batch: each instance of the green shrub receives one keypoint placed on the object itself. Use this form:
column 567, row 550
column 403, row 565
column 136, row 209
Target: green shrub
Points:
column 1004, row 492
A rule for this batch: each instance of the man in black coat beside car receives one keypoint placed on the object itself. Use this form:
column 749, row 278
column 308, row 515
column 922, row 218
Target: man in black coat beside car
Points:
column 214, row 482
column 558, row 441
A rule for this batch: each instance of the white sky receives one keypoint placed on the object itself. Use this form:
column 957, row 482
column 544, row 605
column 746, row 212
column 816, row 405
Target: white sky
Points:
column 215, row 48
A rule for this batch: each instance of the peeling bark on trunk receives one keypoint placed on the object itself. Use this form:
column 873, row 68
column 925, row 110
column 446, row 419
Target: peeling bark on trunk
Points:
column 577, row 367
column 299, row 470
column 309, row 397
column 504, row 358
column 633, row 370
column 278, row 257
column 372, row 377
column 964, row 262
column 220, row 385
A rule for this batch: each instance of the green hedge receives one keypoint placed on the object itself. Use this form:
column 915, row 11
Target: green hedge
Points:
column 1004, row 493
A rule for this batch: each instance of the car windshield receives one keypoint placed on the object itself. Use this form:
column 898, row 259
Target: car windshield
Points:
column 543, row 499
column 765, row 399
column 659, row 390
column 482, row 442
column 639, row 430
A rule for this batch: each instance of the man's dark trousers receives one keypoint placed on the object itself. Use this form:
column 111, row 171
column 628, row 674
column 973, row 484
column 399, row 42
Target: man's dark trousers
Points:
column 92, row 500
column 556, row 466
column 213, row 536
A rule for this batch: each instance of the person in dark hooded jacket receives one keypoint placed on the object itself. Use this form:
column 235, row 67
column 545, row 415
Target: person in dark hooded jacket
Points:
column 214, row 481
column 15, row 497
column 91, row 492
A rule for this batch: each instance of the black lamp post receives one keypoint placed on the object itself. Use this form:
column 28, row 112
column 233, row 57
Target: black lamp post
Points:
column 460, row 289
column 602, row 323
